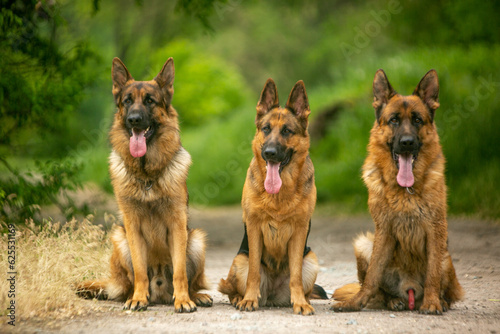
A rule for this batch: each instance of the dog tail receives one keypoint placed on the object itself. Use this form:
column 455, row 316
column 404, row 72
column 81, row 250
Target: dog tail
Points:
column 318, row 292
column 346, row 292
column 196, row 260
column 226, row 287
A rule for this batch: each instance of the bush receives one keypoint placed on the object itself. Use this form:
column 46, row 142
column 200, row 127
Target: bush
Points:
column 205, row 86
column 23, row 193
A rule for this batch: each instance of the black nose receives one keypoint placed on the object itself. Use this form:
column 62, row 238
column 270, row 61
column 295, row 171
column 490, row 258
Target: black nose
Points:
column 159, row 282
column 407, row 143
column 134, row 119
column 270, row 153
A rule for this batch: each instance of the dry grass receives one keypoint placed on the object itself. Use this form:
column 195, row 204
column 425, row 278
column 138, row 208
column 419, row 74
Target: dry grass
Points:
column 50, row 259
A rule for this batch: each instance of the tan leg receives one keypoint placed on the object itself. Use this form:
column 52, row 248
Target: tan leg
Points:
column 138, row 253
column 296, row 257
column 178, row 241
column 436, row 247
column 250, row 301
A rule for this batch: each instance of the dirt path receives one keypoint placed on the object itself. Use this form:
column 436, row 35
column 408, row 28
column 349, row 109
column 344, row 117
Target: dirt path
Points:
column 474, row 245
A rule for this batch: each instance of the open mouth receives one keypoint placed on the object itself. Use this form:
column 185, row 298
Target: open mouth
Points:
column 404, row 163
column 273, row 182
column 138, row 137
column 147, row 132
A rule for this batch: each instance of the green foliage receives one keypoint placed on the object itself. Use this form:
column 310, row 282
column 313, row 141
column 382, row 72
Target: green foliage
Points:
column 205, row 86
column 23, row 194
column 55, row 99
column 201, row 9
column 447, row 23
column 466, row 119
column 469, row 91
column 221, row 152
column 40, row 84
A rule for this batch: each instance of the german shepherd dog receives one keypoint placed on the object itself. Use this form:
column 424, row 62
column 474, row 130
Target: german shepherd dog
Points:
column 156, row 257
column 274, row 266
column 406, row 264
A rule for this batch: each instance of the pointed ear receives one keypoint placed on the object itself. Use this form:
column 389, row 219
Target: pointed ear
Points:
column 120, row 76
column 428, row 91
column 298, row 102
column 165, row 80
column 382, row 92
column 268, row 99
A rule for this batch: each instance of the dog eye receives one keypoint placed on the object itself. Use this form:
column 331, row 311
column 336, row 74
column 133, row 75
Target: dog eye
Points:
column 394, row 121
column 266, row 129
column 286, row 131
column 127, row 101
column 149, row 101
column 417, row 120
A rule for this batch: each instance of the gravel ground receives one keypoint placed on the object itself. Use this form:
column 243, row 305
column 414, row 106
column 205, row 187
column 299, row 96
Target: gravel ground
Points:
column 473, row 243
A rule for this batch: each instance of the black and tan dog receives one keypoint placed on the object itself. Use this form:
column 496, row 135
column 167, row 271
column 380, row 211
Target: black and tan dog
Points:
column 406, row 264
column 156, row 257
column 274, row 266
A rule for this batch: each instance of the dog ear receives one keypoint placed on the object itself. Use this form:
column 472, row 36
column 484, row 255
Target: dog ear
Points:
column 120, row 76
column 298, row 102
column 165, row 80
column 268, row 99
column 428, row 91
column 382, row 92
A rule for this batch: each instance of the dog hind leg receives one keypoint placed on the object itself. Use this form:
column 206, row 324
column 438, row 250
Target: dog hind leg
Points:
column 234, row 286
column 119, row 287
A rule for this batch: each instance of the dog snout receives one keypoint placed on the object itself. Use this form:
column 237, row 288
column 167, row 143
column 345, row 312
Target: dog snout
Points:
column 408, row 143
column 270, row 153
column 134, row 119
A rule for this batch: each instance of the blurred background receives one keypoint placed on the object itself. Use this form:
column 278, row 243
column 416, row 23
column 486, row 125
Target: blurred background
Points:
column 56, row 105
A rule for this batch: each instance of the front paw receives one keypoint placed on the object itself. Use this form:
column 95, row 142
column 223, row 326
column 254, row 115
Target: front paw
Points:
column 202, row 299
column 235, row 300
column 248, row 304
column 433, row 308
column 184, row 305
column 304, row 309
column 346, row 306
column 136, row 305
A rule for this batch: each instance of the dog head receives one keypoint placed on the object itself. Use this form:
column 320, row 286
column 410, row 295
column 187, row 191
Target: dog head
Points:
column 142, row 103
column 405, row 120
column 280, row 130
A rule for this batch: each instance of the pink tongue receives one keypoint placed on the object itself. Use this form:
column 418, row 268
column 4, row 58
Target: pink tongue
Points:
column 405, row 174
column 273, row 180
column 138, row 143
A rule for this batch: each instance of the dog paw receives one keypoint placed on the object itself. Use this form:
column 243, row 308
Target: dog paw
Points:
column 235, row 300
column 202, row 299
column 431, row 308
column 248, row 305
column 184, row 305
column 346, row 306
column 136, row 305
column 304, row 309
column 396, row 304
